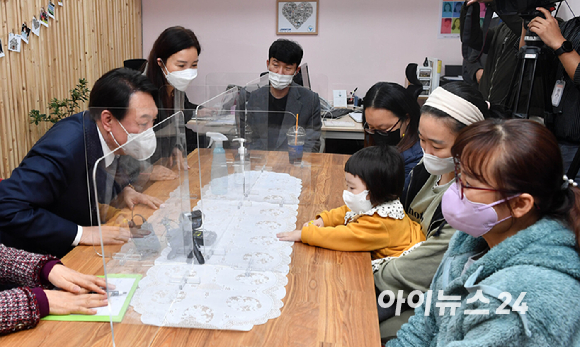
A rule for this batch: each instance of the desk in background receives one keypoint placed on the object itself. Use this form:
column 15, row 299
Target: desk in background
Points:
column 330, row 296
column 353, row 132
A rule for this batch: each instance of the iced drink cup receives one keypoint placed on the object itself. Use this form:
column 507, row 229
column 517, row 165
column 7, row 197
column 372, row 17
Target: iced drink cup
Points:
column 296, row 138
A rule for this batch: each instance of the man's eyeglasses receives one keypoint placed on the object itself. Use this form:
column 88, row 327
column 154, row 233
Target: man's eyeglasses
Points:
column 368, row 130
column 462, row 186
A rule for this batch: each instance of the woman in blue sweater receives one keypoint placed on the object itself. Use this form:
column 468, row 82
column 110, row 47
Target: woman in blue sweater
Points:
column 391, row 116
column 511, row 276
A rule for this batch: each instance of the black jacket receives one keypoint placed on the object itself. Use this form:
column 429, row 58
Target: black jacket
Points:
column 501, row 46
column 51, row 192
column 566, row 120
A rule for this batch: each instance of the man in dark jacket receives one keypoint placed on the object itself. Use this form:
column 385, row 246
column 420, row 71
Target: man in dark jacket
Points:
column 48, row 203
column 501, row 45
column 273, row 109
column 564, row 40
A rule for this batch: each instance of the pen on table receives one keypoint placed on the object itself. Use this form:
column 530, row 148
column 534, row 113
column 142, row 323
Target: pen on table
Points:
column 117, row 293
column 354, row 91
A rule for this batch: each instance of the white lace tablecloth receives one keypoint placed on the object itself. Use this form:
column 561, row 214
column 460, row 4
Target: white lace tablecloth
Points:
column 243, row 281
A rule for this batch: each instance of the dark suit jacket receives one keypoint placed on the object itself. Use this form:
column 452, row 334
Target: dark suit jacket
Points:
column 301, row 101
column 47, row 196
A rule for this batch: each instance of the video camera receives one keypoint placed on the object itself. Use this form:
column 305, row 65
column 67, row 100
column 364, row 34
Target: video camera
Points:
column 523, row 8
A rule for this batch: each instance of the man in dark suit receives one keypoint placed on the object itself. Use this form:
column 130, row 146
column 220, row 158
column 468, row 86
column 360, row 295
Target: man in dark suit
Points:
column 48, row 204
column 284, row 101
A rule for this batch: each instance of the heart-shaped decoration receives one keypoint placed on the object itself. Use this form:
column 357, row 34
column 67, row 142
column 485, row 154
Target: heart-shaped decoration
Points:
column 297, row 13
column 35, row 24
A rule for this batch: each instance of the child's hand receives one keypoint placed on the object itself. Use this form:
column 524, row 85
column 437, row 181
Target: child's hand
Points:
column 318, row 222
column 295, row 235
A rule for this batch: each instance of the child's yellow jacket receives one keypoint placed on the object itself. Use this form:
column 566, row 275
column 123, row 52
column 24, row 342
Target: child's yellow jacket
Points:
column 386, row 230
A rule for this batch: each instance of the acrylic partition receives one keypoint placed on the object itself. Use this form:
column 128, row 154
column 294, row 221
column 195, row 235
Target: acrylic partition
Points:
column 140, row 193
column 202, row 250
column 217, row 83
column 251, row 187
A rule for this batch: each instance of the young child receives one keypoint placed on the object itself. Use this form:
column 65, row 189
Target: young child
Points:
column 373, row 218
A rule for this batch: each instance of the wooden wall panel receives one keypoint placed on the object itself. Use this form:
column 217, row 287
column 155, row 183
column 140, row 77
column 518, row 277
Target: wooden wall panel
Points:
column 86, row 39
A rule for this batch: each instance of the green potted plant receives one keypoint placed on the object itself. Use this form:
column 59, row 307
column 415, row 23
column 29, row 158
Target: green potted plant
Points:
column 60, row 109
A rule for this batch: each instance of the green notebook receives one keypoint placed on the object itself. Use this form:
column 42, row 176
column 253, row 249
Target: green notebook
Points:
column 118, row 304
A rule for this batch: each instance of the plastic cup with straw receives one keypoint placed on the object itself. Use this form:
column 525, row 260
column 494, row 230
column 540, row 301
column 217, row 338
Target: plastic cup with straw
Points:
column 296, row 137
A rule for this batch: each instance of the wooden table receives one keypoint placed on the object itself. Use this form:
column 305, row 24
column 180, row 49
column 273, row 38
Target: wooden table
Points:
column 330, row 298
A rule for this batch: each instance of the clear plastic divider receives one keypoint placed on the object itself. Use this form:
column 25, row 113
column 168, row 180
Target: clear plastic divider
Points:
column 202, row 227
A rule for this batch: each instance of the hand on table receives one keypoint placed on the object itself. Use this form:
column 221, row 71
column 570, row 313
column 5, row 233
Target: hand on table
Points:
column 112, row 235
column 318, row 222
column 177, row 158
column 133, row 198
column 547, row 29
column 207, row 112
column 60, row 302
column 295, row 235
column 162, row 173
column 75, row 282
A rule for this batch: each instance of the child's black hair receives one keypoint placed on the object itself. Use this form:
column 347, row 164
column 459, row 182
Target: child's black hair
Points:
column 382, row 169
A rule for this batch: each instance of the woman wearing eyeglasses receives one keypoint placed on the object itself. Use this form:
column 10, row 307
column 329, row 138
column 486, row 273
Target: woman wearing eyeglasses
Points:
column 448, row 109
column 391, row 117
column 513, row 265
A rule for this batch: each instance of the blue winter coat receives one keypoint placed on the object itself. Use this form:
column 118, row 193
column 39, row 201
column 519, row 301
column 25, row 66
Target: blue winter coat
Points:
column 541, row 261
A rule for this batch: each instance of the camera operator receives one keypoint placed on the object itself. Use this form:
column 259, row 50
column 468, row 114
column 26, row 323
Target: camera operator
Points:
column 564, row 40
column 474, row 60
column 501, row 46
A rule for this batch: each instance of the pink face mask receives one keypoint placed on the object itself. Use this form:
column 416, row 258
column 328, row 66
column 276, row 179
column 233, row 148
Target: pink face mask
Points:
column 473, row 218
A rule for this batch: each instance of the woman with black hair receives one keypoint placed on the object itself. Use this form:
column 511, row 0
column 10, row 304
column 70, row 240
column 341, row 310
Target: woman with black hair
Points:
column 448, row 109
column 172, row 65
column 391, row 117
column 372, row 218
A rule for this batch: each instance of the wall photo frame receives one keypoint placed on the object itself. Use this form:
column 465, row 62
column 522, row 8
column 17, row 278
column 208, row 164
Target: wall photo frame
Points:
column 450, row 11
column 296, row 17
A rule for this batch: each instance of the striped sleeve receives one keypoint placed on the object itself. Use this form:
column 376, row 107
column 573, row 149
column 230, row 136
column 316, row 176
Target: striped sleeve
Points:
column 18, row 310
column 21, row 267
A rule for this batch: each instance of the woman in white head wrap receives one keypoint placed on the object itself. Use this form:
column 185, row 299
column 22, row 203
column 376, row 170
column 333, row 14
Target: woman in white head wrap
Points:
column 447, row 110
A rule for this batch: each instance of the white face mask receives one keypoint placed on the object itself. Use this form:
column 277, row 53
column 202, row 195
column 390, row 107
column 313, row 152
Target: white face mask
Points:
column 180, row 79
column 279, row 81
column 357, row 203
column 438, row 166
column 139, row 146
